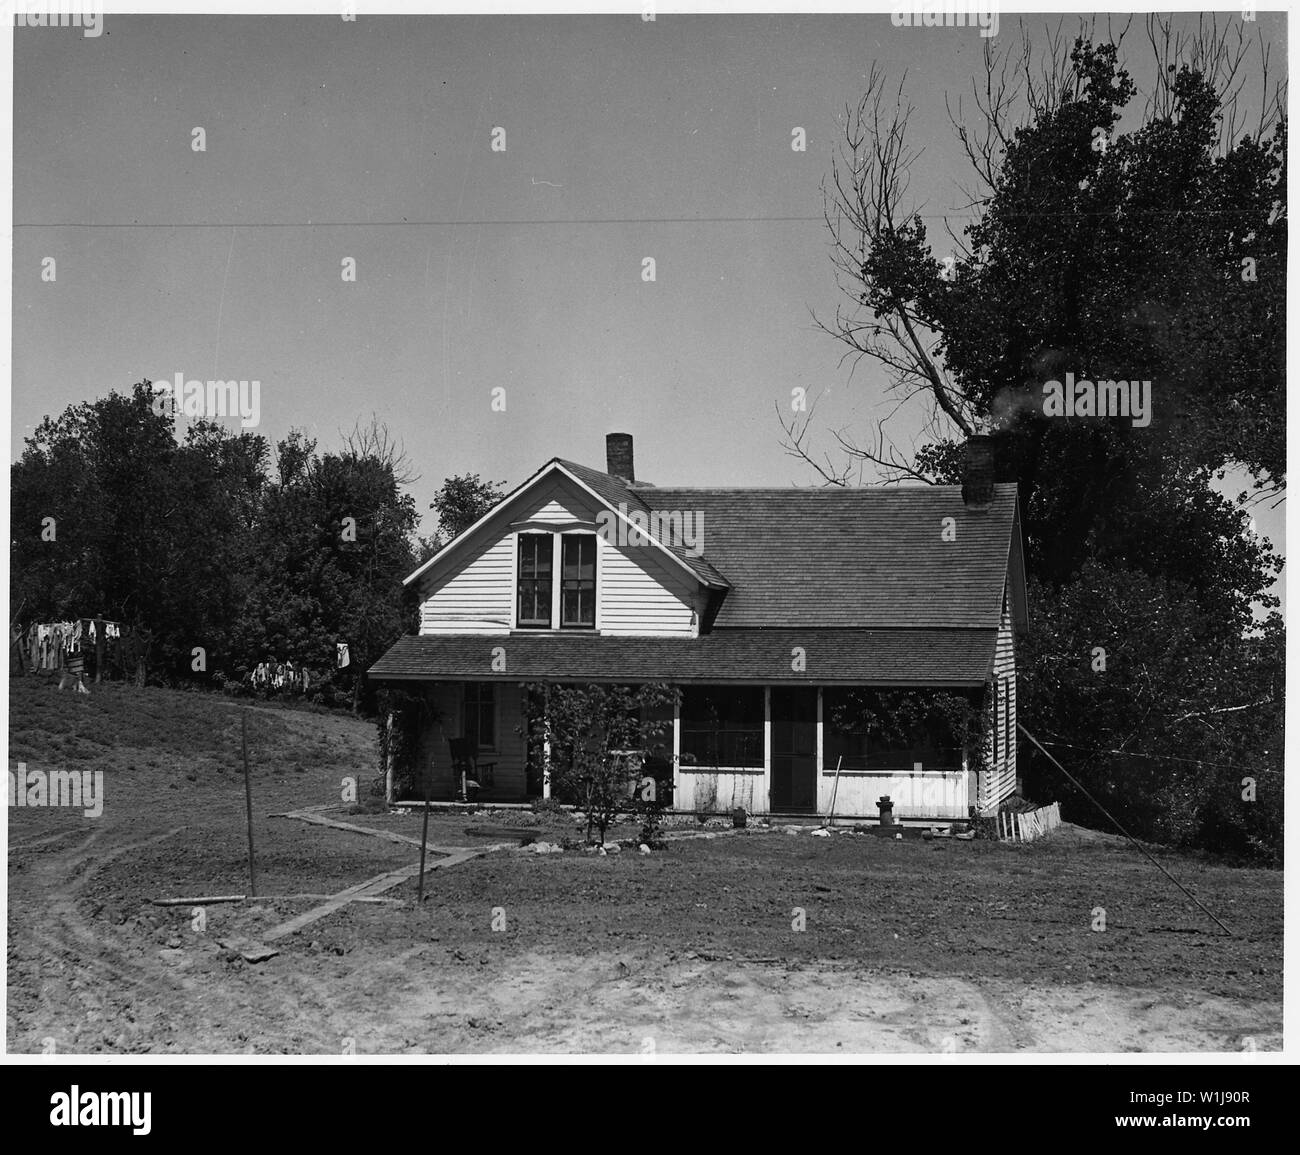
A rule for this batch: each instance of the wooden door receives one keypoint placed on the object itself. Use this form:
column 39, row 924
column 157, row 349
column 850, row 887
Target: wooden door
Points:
column 794, row 748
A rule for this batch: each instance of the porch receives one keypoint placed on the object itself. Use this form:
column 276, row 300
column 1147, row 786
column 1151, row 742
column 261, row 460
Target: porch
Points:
column 767, row 748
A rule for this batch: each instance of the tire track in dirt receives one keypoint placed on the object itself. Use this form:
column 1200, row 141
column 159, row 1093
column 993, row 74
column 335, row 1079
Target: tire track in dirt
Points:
column 92, row 986
column 64, row 941
column 129, row 998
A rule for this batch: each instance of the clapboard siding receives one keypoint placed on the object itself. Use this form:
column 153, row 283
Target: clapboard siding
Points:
column 555, row 501
column 719, row 790
column 1000, row 781
column 916, row 794
column 475, row 597
column 639, row 590
column 640, row 593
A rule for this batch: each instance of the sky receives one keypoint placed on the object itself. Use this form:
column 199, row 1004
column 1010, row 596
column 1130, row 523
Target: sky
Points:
column 476, row 270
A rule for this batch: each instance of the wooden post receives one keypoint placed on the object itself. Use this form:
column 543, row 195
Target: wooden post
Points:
column 248, row 807
column 677, row 750
column 820, row 756
column 767, row 747
column 424, row 828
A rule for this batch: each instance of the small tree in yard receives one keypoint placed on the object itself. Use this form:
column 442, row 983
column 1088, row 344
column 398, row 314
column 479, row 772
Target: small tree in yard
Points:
column 588, row 728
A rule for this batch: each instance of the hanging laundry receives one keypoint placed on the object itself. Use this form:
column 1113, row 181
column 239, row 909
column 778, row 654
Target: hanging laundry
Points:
column 343, row 656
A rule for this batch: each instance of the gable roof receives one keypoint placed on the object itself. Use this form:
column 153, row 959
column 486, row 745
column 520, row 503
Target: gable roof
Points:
column 871, row 557
column 608, row 490
column 614, row 491
column 867, row 558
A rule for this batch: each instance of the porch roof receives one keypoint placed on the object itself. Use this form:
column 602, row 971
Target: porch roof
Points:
column 880, row 657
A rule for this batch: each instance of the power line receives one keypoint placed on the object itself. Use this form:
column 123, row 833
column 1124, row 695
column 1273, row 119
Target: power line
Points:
column 1124, row 832
column 450, row 223
column 413, row 224
column 1169, row 757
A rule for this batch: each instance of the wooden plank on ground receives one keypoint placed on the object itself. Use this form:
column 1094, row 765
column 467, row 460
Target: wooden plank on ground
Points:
column 320, row 820
column 367, row 889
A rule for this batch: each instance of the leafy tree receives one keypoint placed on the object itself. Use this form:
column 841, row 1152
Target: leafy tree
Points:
column 196, row 548
column 333, row 545
column 1159, row 729
column 461, row 501
column 147, row 532
column 590, row 729
column 1111, row 248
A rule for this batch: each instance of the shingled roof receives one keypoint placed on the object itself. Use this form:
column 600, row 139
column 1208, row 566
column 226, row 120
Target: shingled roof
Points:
column 860, row 657
column 866, row 581
column 873, row 557
column 616, row 491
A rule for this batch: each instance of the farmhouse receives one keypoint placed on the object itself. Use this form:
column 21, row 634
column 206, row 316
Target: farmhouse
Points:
column 790, row 605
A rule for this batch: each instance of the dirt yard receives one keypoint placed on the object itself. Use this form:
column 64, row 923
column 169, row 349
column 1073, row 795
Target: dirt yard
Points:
column 904, row 946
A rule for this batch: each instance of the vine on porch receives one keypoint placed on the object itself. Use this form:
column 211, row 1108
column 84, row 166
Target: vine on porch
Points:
column 906, row 717
column 399, row 744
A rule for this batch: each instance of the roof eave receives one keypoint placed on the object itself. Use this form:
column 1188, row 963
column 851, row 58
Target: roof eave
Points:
column 464, row 534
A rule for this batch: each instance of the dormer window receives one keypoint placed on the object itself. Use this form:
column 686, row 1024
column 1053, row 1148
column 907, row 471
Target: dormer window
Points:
column 536, row 554
column 578, row 582
column 542, row 601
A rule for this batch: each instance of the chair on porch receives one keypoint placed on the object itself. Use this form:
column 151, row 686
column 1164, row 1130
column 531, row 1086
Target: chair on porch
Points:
column 464, row 760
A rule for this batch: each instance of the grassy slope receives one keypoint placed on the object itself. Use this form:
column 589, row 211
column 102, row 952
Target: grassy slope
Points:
column 172, row 758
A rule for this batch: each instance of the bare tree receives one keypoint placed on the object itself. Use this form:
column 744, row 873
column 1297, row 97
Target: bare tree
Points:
column 375, row 442
column 866, row 210
column 1220, row 55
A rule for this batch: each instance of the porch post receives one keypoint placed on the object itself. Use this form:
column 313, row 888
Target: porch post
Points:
column 546, row 741
column 677, row 748
column 767, row 745
column 821, row 757
column 965, row 803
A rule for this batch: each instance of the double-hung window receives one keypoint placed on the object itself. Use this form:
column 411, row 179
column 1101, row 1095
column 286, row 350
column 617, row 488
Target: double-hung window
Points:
column 536, row 562
column 540, row 597
column 578, row 581
column 480, row 717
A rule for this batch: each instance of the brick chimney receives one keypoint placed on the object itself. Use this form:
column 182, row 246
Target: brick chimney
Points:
column 618, row 456
column 977, row 472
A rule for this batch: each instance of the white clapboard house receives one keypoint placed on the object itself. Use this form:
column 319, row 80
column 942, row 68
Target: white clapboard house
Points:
column 765, row 607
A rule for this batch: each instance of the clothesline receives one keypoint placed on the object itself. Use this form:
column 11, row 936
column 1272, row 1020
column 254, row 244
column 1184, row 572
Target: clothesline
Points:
column 52, row 645
column 274, row 674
